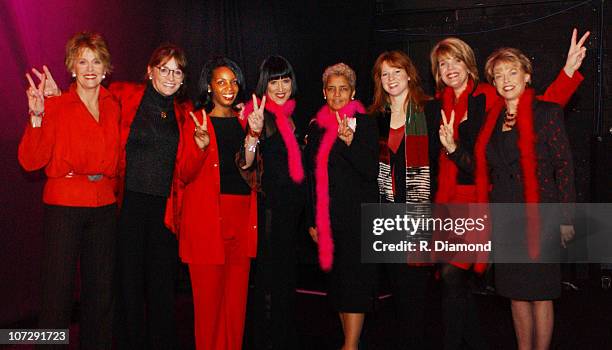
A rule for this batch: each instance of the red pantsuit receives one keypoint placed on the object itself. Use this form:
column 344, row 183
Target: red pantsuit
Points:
column 218, row 237
column 220, row 290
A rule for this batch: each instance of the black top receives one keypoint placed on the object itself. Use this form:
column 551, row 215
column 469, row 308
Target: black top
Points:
column 555, row 170
column 230, row 137
column 152, row 145
column 468, row 133
column 277, row 185
column 352, row 172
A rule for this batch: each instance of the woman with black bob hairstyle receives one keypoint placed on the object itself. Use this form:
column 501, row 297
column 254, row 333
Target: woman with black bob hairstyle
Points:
column 277, row 156
column 219, row 216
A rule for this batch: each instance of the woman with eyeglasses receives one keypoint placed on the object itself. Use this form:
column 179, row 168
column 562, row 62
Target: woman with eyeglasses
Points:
column 153, row 114
column 151, row 140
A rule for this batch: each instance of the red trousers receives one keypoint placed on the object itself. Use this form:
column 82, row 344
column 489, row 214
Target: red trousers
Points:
column 220, row 290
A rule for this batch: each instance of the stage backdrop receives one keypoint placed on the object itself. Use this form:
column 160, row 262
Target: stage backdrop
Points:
column 311, row 34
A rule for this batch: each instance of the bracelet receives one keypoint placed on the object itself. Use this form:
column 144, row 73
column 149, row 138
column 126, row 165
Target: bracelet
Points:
column 254, row 134
column 252, row 148
column 31, row 113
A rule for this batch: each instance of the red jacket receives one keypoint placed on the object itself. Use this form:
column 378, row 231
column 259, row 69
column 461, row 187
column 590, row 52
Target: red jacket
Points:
column 129, row 96
column 71, row 145
column 200, row 241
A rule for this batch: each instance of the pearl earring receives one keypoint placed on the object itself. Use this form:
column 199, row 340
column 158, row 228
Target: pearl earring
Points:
column 324, row 97
column 150, row 77
column 103, row 76
column 73, row 74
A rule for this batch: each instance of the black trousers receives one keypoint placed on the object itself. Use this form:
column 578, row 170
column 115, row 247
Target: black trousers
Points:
column 85, row 236
column 147, row 267
column 273, row 317
column 410, row 286
column 459, row 310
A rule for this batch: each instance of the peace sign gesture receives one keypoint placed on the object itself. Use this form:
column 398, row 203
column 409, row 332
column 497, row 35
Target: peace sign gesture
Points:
column 256, row 118
column 345, row 133
column 200, row 134
column 576, row 53
column 50, row 88
column 447, row 132
column 36, row 99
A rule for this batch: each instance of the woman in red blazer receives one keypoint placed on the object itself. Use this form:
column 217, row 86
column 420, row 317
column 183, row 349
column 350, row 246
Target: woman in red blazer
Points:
column 219, row 217
column 75, row 137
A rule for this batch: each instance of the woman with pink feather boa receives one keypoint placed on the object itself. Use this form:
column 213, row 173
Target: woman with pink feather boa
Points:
column 342, row 152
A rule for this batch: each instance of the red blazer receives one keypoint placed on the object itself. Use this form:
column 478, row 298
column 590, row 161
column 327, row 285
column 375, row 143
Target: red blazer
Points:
column 71, row 145
column 129, row 96
column 200, row 241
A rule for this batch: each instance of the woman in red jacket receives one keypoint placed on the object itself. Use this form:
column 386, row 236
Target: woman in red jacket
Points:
column 460, row 110
column 219, row 217
column 75, row 137
column 152, row 117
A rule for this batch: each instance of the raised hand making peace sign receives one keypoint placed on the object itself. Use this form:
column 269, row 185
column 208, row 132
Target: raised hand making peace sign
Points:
column 576, row 53
column 345, row 133
column 256, row 118
column 200, row 135
column 447, row 132
column 36, row 99
column 50, row 88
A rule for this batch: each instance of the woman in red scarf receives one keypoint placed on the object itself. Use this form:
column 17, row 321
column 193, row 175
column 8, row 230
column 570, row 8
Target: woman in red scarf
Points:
column 342, row 150
column 524, row 153
column 460, row 109
column 280, row 204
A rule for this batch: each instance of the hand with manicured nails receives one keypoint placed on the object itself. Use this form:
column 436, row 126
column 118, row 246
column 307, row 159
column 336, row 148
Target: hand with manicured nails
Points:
column 447, row 132
column 576, row 53
column 200, row 135
column 256, row 118
column 345, row 133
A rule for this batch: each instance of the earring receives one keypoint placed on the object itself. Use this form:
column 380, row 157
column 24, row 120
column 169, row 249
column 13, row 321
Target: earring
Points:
column 324, row 97
column 181, row 83
column 73, row 74
column 208, row 90
column 352, row 98
column 150, row 77
column 103, row 76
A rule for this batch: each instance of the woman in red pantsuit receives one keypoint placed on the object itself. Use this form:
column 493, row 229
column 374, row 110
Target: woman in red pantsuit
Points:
column 75, row 137
column 218, row 223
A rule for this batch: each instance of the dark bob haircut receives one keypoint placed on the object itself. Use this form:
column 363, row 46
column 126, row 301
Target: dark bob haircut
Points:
column 273, row 68
column 204, row 99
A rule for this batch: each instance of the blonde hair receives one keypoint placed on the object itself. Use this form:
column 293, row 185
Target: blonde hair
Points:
column 343, row 70
column 87, row 40
column 457, row 48
column 507, row 55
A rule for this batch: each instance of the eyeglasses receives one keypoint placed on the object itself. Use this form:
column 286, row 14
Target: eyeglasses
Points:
column 164, row 72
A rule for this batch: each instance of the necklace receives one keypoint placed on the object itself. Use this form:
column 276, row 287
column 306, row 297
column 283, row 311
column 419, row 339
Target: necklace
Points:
column 509, row 120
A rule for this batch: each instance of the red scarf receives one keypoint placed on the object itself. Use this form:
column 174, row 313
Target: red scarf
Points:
column 326, row 119
column 526, row 145
column 447, row 173
column 282, row 114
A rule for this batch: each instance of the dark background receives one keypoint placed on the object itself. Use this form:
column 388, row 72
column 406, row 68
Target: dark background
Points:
column 311, row 35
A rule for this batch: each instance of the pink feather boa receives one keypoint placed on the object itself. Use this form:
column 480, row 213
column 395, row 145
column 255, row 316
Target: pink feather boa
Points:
column 326, row 119
column 282, row 113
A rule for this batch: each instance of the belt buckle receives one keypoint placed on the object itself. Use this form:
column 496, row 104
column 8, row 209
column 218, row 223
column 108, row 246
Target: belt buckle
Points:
column 94, row 178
